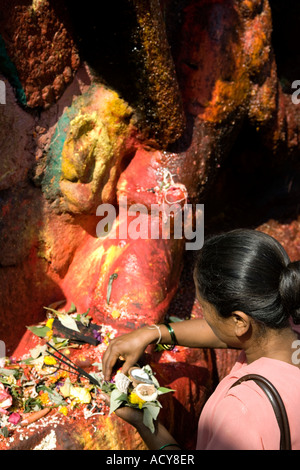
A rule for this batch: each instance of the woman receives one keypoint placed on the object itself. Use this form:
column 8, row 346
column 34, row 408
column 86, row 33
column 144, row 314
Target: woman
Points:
column 250, row 295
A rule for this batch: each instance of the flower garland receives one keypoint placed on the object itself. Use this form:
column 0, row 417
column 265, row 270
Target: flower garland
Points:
column 170, row 193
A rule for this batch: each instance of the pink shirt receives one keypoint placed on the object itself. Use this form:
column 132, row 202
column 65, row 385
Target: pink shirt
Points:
column 242, row 418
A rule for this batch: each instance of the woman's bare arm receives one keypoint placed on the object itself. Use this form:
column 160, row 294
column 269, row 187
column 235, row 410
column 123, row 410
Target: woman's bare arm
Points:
column 190, row 333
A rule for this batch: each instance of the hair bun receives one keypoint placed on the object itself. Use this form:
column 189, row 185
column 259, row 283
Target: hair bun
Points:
column 289, row 289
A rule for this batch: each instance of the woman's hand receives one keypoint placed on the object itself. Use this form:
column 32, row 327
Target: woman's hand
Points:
column 154, row 440
column 129, row 347
column 194, row 333
column 132, row 416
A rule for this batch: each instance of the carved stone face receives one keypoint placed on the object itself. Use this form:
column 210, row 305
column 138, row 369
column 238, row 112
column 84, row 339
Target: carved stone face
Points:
column 93, row 150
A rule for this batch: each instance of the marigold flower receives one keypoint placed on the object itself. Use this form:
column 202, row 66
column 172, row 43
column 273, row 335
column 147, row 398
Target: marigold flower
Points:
column 49, row 334
column 44, row 398
column 134, row 399
column 62, row 374
column 50, row 361
column 115, row 313
column 49, row 323
column 63, row 410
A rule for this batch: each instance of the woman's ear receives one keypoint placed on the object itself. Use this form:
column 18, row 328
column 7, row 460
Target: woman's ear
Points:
column 242, row 323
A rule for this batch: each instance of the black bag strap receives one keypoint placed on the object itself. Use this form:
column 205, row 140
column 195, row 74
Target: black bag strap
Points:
column 277, row 404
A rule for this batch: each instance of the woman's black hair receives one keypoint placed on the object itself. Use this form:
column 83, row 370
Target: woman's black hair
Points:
column 249, row 271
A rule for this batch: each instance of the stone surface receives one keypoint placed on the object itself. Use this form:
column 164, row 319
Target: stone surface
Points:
column 162, row 104
column 41, row 48
column 16, row 140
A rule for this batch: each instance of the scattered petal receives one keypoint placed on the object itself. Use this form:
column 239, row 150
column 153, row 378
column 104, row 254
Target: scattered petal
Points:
column 14, row 418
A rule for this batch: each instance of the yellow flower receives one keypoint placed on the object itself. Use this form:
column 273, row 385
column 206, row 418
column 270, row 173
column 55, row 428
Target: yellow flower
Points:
column 49, row 361
column 63, row 374
column 44, row 397
column 115, row 314
column 136, row 400
column 82, row 395
column 57, row 376
column 63, row 410
column 50, row 323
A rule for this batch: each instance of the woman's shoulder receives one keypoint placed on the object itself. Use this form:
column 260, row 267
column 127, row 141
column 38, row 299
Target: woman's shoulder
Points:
column 250, row 397
column 281, row 374
column 240, row 417
column 246, row 406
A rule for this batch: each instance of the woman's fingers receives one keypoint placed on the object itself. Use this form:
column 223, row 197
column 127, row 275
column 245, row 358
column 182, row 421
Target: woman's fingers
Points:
column 130, row 361
column 105, row 397
column 108, row 361
column 132, row 416
column 119, row 348
column 130, row 347
column 126, row 366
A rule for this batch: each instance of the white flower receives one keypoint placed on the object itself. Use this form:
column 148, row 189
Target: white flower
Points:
column 122, row 382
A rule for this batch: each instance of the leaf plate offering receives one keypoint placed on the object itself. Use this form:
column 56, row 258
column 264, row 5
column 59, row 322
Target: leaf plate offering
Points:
column 139, row 390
